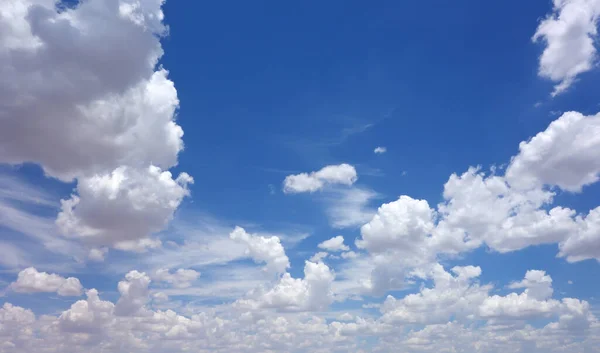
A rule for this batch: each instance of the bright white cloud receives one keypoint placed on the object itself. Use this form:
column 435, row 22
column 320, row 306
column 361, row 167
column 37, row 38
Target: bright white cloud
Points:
column 380, row 150
column 343, row 174
column 181, row 278
column 569, row 34
column 334, row 244
column 584, row 242
column 565, row 155
column 125, row 205
column 263, row 249
column 311, row 293
column 31, row 281
column 400, row 225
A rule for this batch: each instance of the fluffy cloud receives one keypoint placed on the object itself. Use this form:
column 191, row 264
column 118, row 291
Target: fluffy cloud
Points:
column 182, row 278
column 263, row 249
column 87, row 316
column 334, row 244
column 584, row 242
column 85, row 101
column 380, row 150
column 125, row 205
column 401, row 225
column 134, row 294
column 94, row 325
column 565, row 155
column 569, row 33
column 343, row 174
column 31, row 281
column 81, row 83
column 313, row 292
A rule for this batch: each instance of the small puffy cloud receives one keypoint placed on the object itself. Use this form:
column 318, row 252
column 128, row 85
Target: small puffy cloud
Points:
column 537, row 284
column 263, row 249
column 124, row 205
column 569, row 33
column 334, row 244
column 343, row 174
column 380, row 150
column 182, row 278
column 401, row 225
column 31, row 281
column 87, row 316
column 565, row 155
column 134, row 294
column 311, row 293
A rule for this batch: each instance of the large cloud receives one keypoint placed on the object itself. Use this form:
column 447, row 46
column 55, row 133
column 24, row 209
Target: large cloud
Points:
column 83, row 99
column 569, row 33
column 127, row 204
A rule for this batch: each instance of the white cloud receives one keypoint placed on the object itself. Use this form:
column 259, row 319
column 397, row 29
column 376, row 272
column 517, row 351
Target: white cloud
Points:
column 181, row 278
column 85, row 100
column 399, row 225
column 380, row 150
column 343, row 174
column 569, row 33
column 87, row 316
column 311, row 293
column 565, row 155
column 584, row 242
column 318, row 257
column 262, row 249
column 334, row 244
column 104, row 99
column 31, row 281
column 134, row 294
column 125, row 205
column 349, row 207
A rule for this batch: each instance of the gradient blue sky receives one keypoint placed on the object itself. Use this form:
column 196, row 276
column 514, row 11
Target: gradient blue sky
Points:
column 272, row 89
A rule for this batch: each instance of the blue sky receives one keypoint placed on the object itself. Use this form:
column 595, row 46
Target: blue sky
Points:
column 184, row 171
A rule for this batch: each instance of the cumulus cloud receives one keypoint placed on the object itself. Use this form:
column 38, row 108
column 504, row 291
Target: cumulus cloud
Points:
column 380, row 150
column 181, row 278
column 569, row 33
column 334, row 244
column 311, row 293
column 134, row 294
column 563, row 155
column 84, row 100
column 125, row 205
column 263, row 249
column 81, row 83
column 343, row 174
column 31, row 281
